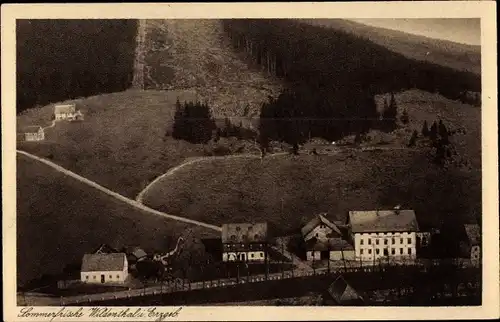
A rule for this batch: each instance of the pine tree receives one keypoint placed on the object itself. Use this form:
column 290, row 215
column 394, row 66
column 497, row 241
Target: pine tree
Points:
column 179, row 126
column 443, row 132
column 425, row 129
column 413, row 139
column 404, row 117
column 433, row 132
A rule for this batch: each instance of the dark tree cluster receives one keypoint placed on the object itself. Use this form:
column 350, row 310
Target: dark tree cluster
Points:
column 231, row 130
column 328, row 69
column 439, row 137
column 193, row 122
column 307, row 112
column 65, row 59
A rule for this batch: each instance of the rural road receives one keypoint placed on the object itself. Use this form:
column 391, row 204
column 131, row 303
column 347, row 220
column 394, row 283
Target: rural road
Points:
column 171, row 171
column 51, row 125
column 115, row 195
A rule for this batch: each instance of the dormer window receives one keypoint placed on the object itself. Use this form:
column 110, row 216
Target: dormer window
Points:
column 238, row 228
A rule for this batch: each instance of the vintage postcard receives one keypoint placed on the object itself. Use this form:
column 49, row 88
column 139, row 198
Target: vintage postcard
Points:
column 267, row 161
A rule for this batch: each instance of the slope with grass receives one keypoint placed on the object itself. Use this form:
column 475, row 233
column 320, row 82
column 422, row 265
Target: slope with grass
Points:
column 287, row 191
column 121, row 144
column 59, row 219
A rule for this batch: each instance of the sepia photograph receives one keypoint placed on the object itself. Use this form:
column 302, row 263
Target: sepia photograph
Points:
column 249, row 161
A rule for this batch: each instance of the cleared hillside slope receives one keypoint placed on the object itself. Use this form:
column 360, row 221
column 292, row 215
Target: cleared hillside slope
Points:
column 59, row 219
column 196, row 54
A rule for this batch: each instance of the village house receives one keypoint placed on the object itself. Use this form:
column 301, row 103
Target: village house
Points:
column 471, row 245
column 324, row 240
column 383, row 234
column 109, row 268
column 67, row 112
column 244, row 242
column 31, row 133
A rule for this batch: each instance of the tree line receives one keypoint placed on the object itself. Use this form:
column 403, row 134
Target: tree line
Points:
column 63, row 59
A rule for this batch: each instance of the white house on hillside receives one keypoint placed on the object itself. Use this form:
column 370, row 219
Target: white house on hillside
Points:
column 31, row 133
column 109, row 268
column 67, row 112
column 383, row 234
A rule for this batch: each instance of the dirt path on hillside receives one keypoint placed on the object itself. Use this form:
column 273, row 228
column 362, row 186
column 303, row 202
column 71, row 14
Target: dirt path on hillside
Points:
column 116, row 195
column 140, row 196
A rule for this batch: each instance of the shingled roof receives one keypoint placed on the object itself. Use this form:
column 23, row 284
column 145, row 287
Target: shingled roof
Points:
column 64, row 108
column 319, row 219
column 244, row 233
column 103, row 262
column 383, row 221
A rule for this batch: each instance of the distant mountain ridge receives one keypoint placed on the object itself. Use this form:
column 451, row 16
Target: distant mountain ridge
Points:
column 446, row 53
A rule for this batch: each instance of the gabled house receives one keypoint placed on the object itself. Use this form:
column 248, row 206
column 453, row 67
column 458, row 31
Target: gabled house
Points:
column 31, row 133
column 67, row 112
column 383, row 234
column 343, row 293
column 324, row 239
column 320, row 228
column 244, row 242
column 470, row 246
column 100, row 268
column 135, row 254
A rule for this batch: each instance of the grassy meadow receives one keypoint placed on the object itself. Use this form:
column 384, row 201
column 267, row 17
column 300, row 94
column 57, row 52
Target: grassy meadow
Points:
column 121, row 144
column 59, row 219
column 287, row 191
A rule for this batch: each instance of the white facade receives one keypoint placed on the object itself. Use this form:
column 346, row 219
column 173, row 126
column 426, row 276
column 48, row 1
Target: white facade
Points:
column 35, row 136
column 313, row 255
column 249, row 256
column 104, row 277
column 371, row 247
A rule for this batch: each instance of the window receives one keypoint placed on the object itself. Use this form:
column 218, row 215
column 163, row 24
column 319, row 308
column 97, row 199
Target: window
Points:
column 409, row 251
column 393, row 240
column 251, row 255
column 110, row 276
column 94, row 276
column 376, row 241
column 401, row 241
column 385, row 241
column 386, row 252
column 401, row 251
column 261, row 255
column 409, row 240
column 117, row 276
column 87, row 277
column 361, row 242
column 316, row 234
column 369, row 241
column 393, row 251
column 361, row 251
column 378, row 251
column 369, row 251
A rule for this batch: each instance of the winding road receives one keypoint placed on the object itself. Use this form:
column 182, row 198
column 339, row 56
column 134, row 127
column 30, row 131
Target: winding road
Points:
column 116, row 195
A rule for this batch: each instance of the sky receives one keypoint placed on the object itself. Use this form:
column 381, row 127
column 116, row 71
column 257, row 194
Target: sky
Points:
column 461, row 30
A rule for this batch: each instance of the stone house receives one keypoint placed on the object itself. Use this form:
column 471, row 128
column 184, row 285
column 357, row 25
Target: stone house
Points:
column 470, row 246
column 67, row 112
column 109, row 268
column 244, row 242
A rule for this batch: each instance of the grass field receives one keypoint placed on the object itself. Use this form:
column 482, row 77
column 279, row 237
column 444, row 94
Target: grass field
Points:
column 288, row 191
column 121, row 144
column 59, row 219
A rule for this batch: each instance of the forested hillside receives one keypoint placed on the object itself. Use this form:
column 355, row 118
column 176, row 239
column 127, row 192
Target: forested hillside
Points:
column 60, row 59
